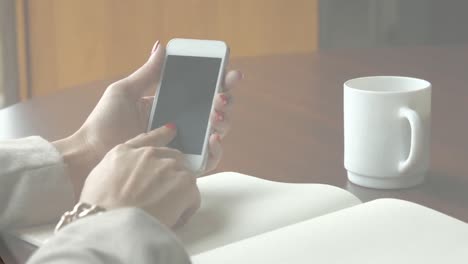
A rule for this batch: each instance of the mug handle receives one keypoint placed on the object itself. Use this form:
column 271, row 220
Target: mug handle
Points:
column 416, row 146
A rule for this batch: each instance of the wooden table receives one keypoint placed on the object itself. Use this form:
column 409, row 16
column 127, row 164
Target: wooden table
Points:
column 288, row 121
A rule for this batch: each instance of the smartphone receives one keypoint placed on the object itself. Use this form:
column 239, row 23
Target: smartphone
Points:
column 191, row 77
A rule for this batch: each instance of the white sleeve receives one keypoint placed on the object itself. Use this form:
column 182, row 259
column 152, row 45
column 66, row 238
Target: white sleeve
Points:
column 122, row 236
column 34, row 186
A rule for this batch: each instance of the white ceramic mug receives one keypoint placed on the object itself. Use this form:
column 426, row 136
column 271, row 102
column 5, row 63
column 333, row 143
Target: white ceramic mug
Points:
column 387, row 131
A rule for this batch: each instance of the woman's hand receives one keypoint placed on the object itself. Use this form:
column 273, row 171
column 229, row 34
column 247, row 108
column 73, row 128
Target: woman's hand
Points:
column 144, row 173
column 123, row 112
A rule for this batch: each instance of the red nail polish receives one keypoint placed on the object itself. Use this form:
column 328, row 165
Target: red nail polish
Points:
column 155, row 47
column 224, row 98
column 219, row 117
column 170, row 125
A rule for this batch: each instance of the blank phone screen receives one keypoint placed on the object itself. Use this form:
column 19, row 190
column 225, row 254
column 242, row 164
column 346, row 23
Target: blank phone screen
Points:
column 185, row 98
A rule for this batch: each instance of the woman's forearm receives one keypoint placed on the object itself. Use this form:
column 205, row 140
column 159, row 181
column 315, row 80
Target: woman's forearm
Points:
column 34, row 186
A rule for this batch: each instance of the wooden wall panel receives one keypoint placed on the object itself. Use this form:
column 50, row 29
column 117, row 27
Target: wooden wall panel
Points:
column 21, row 50
column 75, row 42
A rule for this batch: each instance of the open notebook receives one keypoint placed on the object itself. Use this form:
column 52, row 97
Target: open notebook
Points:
column 244, row 219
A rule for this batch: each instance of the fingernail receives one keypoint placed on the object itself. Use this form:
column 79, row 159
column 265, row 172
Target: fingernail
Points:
column 155, row 47
column 224, row 98
column 218, row 137
column 219, row 117
column 170, row 125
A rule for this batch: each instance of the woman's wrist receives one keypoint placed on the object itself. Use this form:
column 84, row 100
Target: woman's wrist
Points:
column 78, row 157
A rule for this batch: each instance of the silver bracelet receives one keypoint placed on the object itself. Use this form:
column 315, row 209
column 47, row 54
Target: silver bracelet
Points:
column 79, row 211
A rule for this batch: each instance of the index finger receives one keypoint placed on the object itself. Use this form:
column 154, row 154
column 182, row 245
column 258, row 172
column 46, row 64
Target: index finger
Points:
column 159, row 137
column 231, row 79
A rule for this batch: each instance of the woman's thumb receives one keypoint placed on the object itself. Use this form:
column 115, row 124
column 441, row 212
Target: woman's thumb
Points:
column 147, row 76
